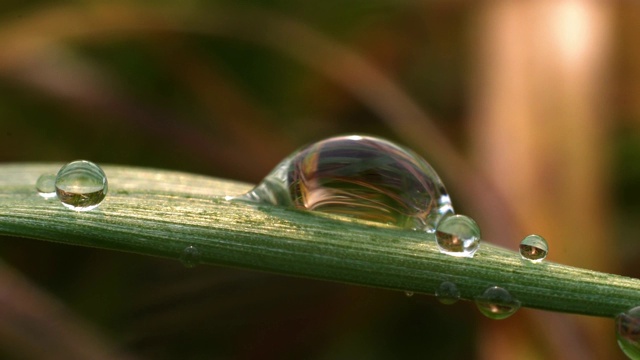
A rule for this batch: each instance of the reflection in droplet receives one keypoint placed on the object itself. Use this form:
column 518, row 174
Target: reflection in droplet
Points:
column 190, row 256
column 447, row 293
column 458, row 235
column 81, row 185
column 534, row 248
column 408, row 293
column 358, row 176
column 46, row 186
column 628, row 332
column 496, row 303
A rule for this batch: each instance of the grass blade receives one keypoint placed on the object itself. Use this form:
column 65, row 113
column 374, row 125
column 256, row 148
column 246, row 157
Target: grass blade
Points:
column 161, row 213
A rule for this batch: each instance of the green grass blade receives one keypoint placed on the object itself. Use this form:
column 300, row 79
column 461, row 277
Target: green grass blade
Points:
column 160, row 213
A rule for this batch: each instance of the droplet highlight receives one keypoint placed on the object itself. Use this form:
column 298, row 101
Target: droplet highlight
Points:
column 628, row 332
column 46, row 186
column 534, row 248
column 458, row 235
column 361, row 177
column 81, row 185
column 190, row 256
column 497, row 303
column 409, row 293
column 447, row 293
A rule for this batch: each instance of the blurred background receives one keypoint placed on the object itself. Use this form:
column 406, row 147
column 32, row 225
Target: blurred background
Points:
column 530, row 112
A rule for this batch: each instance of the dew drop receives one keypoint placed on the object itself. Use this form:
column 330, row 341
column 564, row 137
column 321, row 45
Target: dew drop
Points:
column 496, row 303
column 447, row 293
column 628, row 332
column 408, row 293
column 46, row 186
column 534, row 248
column 458, row 235
column 360, row 177
column 190, row 256
column 81, row 185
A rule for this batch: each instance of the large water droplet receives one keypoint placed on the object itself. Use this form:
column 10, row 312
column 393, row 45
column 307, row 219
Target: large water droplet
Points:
column 358, row 176
column 81, row 185
column 496, row 303
column 458, row 235
column 628, row 332
column 46, row 186
column 447, row 293
column 190, row 256
column 534, row 248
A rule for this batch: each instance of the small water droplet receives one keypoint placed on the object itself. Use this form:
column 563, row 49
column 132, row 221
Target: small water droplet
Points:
column 81, row 185
column 534, row 248
column 46, row 186
column 190, row 256
column 496, row 303
column 458, row 235
column 361, row 177
column 447, row 293
column 628, row 332
column 408, row 293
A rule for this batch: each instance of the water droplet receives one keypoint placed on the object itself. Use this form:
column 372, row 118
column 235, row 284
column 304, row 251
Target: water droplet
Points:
column 46, row 186
column 496, row 303
column 190, row 256
column 628, row 332
column 81, row 185
column 534, row 248
column 361, row 177
column 447, row 293
column 408, row 293
column 458, row 235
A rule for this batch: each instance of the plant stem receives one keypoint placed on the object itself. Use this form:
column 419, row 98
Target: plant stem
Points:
column 160, row 213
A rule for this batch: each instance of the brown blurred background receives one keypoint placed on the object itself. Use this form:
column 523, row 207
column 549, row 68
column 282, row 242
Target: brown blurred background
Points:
column 529, row 110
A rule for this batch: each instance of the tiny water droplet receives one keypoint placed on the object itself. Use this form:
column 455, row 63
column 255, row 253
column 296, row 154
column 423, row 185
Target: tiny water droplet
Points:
column 361, row 177
column 46, row 186
column 81, row 185
column 408, row 293
column 447, row 293
column 190, row 256
column 458, row 235
column 496, row 303
column 534, row 248
column 628, row 332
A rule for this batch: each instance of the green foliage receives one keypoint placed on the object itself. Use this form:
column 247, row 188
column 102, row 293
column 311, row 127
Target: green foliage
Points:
column 161, row 213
